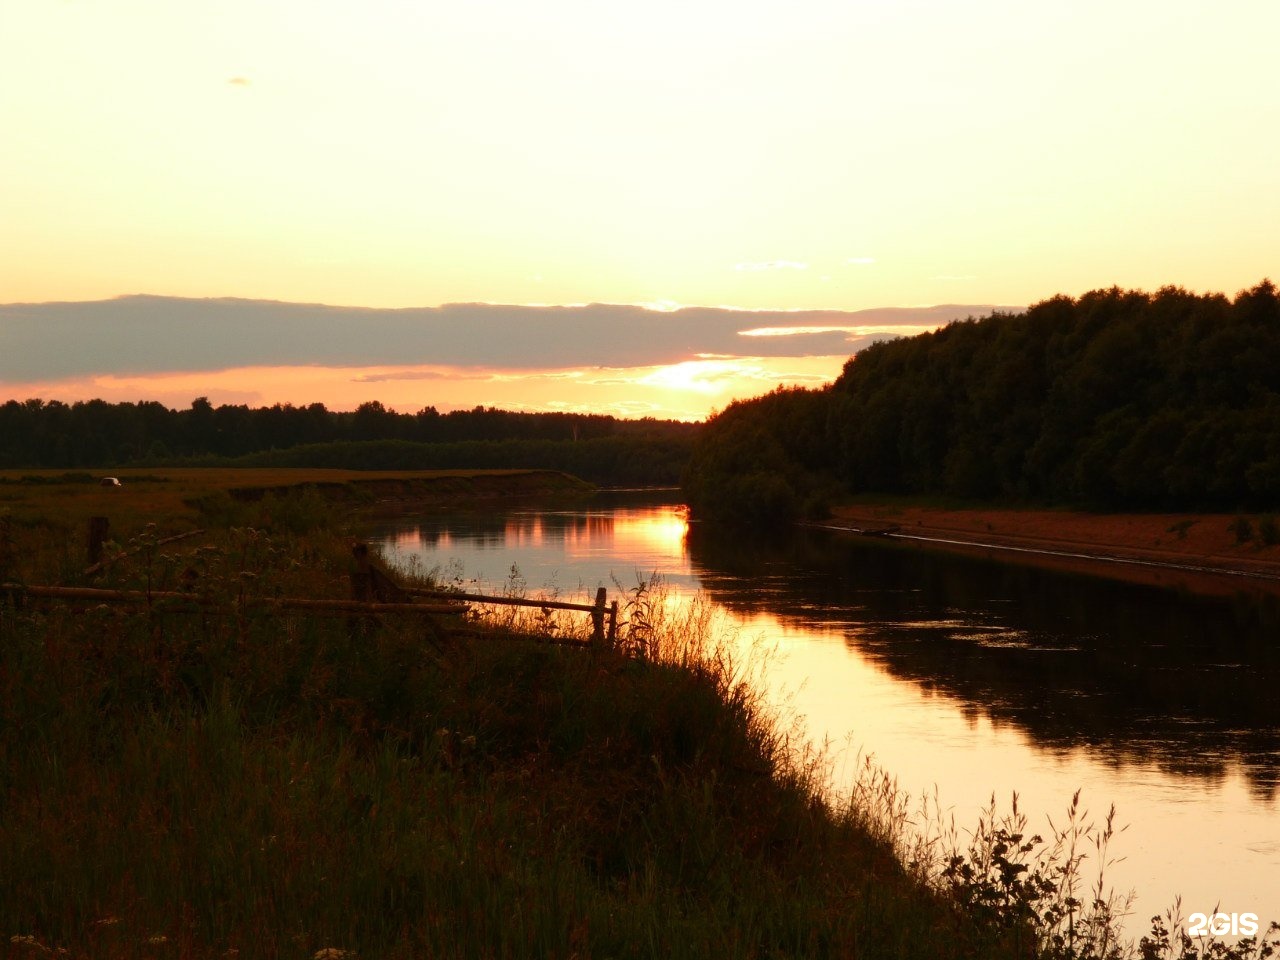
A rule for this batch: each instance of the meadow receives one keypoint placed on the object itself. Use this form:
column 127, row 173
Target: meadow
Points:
column 215, row 777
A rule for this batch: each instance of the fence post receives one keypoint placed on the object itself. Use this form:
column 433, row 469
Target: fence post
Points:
column 597, row 618
column 361, row 587
column 613, row 623
column 98, row 527
column 6, row 547
column 359, row 575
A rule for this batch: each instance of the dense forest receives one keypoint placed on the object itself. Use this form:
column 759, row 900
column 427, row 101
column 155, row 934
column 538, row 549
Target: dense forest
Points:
column 98, row 434
column 1116, row 400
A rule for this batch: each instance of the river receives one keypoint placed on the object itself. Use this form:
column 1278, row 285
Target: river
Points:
column 963, row 677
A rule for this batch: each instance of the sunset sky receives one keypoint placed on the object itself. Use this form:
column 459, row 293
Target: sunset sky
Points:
column 811, row 155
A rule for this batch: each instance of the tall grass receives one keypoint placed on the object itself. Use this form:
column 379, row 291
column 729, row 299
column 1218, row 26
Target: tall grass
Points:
column 1015, row 892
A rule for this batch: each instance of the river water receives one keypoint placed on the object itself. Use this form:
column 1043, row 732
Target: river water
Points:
column 963, row 677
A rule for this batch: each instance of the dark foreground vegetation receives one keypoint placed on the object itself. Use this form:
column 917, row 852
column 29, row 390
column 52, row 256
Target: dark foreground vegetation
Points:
column 216, row 780
column 1116, row 400
column 600, row 449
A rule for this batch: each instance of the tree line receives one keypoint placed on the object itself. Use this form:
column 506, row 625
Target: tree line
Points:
column 1119, row 399
column 95, row 433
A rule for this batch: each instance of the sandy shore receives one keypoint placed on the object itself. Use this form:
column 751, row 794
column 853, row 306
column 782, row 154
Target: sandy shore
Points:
column 1198, row 552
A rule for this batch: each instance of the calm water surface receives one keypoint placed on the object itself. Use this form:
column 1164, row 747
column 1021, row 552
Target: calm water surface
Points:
column 964, row 676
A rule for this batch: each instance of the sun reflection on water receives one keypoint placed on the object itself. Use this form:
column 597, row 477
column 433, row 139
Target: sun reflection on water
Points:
column 849, row 680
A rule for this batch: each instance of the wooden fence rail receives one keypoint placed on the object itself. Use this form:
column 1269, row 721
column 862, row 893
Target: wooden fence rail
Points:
column 601, row 611
column 458, row 603
column 372, row 591
column 369, row 581
column 507, row 601
column 98, row 527
column 145, row 597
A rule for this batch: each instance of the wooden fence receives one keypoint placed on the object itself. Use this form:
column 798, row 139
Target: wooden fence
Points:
column 151, row 597
column 373, row 591
column 604, row 614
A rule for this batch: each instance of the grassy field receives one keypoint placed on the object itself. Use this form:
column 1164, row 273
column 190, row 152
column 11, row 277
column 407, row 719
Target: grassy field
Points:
column 174, row 496
column 45, row 514
column 217, row 779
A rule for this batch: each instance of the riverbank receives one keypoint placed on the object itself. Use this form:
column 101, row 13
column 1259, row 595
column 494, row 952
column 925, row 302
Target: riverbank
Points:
column 216, row 779
column 1201, row 552
column 177, row 495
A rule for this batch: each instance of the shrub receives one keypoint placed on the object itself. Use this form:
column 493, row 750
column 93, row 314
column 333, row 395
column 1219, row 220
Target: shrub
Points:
column 1269, row 531
column 1242, row 529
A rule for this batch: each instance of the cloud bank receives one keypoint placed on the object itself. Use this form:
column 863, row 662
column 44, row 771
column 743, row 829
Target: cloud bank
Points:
column 138, row 335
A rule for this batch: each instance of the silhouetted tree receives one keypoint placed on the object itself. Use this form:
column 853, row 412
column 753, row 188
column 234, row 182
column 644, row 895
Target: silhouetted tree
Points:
column 1117, row 399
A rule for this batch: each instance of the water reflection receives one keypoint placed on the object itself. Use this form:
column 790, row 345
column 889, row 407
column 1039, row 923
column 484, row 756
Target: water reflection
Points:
column 1135, row 674
column 567, row 552
column 967, row 676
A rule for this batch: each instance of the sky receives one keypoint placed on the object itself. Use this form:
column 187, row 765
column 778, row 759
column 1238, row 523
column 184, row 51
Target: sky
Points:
column 838, row 156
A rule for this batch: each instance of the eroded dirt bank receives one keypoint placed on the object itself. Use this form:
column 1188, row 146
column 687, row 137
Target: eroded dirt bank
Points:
column 1203, row 552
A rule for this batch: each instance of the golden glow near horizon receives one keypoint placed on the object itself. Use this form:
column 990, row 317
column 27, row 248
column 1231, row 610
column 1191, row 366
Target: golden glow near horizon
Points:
column 684, row 391
column 655, row 534
column 817, row 154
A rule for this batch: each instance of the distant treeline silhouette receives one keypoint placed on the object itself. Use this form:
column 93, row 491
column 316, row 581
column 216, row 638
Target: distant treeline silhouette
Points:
column 1116, row 400
column 603, row 449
